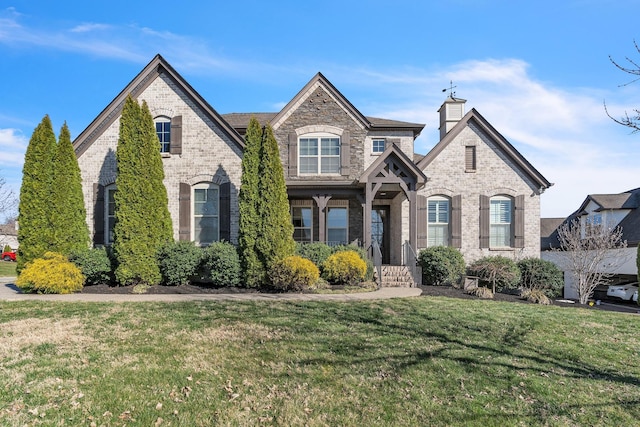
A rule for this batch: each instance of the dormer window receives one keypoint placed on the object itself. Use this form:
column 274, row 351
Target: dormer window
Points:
column 319, row 154
column 163, row 130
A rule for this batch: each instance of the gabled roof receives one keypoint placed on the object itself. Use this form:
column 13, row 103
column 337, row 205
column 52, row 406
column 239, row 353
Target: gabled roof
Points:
column 395, row 151
column 627, row 200
column 157, row 66
column 473, row 116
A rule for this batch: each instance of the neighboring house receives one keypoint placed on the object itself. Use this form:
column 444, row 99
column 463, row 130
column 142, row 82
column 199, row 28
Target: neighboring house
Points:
column 9, row 235
column 614, row 210
column 350, row 177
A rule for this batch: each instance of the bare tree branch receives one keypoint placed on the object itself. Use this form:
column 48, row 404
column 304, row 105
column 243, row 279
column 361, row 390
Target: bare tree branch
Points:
column 632, row 121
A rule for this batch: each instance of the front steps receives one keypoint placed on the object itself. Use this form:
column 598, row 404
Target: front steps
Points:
column 396, row 276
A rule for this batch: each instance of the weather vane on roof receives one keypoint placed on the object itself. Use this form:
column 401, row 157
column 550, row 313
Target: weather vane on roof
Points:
column 451, row 87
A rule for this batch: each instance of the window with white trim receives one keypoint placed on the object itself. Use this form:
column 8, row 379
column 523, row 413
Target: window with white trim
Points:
column 163, row 130
column 302, row 217
column 438, row 208
column 206, row 213
column 319, row 154
column 109, row 213
column 500, row 217
column 378, row 146
column 337, row 225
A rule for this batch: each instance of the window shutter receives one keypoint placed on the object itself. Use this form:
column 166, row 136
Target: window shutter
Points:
column 345, row 153
column 456, row 221
column 175, row 145
column 184, row 202
column 422, row 221
column 519, row 222
column 470, row 158
column 484, row 222
column 225, row 212
column 293, row 154
column 98, row 214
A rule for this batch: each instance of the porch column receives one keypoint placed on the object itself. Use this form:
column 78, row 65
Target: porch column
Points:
column 413, row 219
column 322, row 201
column 372, row 190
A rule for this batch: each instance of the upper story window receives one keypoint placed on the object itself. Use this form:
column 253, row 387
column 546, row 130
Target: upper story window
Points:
column 500, row 215
column 438, row 213
column 206, row 213
column 163, row 130
column 378, row 146
column 319, row 154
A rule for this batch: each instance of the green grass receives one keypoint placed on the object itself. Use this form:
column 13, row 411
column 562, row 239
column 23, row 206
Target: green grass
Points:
column 418, row 361
column 7, row 269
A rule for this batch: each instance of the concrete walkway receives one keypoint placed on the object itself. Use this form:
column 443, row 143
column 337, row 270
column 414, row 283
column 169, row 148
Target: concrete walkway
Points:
column 9, row 292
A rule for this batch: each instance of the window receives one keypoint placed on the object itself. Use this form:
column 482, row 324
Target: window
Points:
column 337, row 226
column 206, row 217
column 378, row 146
column 470, row 158
column 438, row 208
column 319, row 154
column 110, row 213
column 302, row 218
column 163, row 130
column 500, row 212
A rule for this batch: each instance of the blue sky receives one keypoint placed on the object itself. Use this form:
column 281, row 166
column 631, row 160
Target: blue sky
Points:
column 538, row 71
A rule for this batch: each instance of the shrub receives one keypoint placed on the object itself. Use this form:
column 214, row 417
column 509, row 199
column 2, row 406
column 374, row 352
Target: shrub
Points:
column 480, row 292
column 363, row 256
column 500, row 272
column 221, row 264
column 538, row 274
column 317, row 252
column 95, row 265
column 51, row 274
column 441, row 265
column 179, row 262
column 6, row 248
column 293, row 273
column 535, row 296
column 344, row 268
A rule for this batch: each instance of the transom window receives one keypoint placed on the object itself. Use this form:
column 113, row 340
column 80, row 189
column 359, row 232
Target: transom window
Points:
column 378, row 146
column 438, row 221
column 319, row 154
column 206, row 214
column 110, row 213
column 302, row 218
column 163, row 130
column 500, row 213
column 337, row 225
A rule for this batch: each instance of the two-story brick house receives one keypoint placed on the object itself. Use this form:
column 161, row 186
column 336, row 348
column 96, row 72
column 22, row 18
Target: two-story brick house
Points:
column 350, row 178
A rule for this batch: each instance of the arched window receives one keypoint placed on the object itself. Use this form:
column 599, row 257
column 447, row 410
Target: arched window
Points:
column 319, row 153
column 206, row 213
column 500, row 221
column 163, row 130
column 438, row 220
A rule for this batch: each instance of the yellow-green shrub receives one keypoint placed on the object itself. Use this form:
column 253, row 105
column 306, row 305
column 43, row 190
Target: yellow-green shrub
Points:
column 344, row 268
column 293, row 273
column 51, row 274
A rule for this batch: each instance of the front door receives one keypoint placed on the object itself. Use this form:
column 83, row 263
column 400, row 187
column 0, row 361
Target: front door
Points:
column 380, row 230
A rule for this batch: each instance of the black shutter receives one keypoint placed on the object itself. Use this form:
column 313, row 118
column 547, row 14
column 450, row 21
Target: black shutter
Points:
column 456, row 221
column 293, row 154
column 184, row 208
column 484, row 222
column 175, row 146
column 345, row 153
column 422, row 221
column 518, row 226
column 225, row 212
column 98, row 214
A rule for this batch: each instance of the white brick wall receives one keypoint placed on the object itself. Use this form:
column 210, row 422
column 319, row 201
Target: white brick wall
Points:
column 495, row 175
column 207, row 153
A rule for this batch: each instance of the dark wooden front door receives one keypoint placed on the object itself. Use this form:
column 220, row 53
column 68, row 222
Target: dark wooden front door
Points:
column 380, row 230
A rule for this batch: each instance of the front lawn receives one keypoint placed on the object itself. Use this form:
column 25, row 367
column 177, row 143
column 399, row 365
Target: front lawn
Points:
column 7, row 269
column 418, row 361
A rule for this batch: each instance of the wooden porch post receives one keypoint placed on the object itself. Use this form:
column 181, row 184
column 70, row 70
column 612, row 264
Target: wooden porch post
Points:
column 322, row 201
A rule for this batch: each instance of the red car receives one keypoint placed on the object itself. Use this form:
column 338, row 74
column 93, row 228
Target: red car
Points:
column 8, row 256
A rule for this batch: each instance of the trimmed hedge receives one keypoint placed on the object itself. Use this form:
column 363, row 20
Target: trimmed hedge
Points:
column 316, row 252
column 179, row 262
column 95, row 265
column 221, row 264
column 293, row 273
column 441, row 265
column 363, row 256
column 500, row 272
column 541, row 275
column 51, row 274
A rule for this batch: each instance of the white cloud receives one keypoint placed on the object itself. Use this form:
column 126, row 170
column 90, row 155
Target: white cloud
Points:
column 90, row 27
column 13, row 146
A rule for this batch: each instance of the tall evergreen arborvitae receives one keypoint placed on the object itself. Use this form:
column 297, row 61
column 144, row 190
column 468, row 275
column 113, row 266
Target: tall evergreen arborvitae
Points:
column 143, row 222
column 275, row 237
column 68, row 214
column 34, row 211
column 248, row 207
